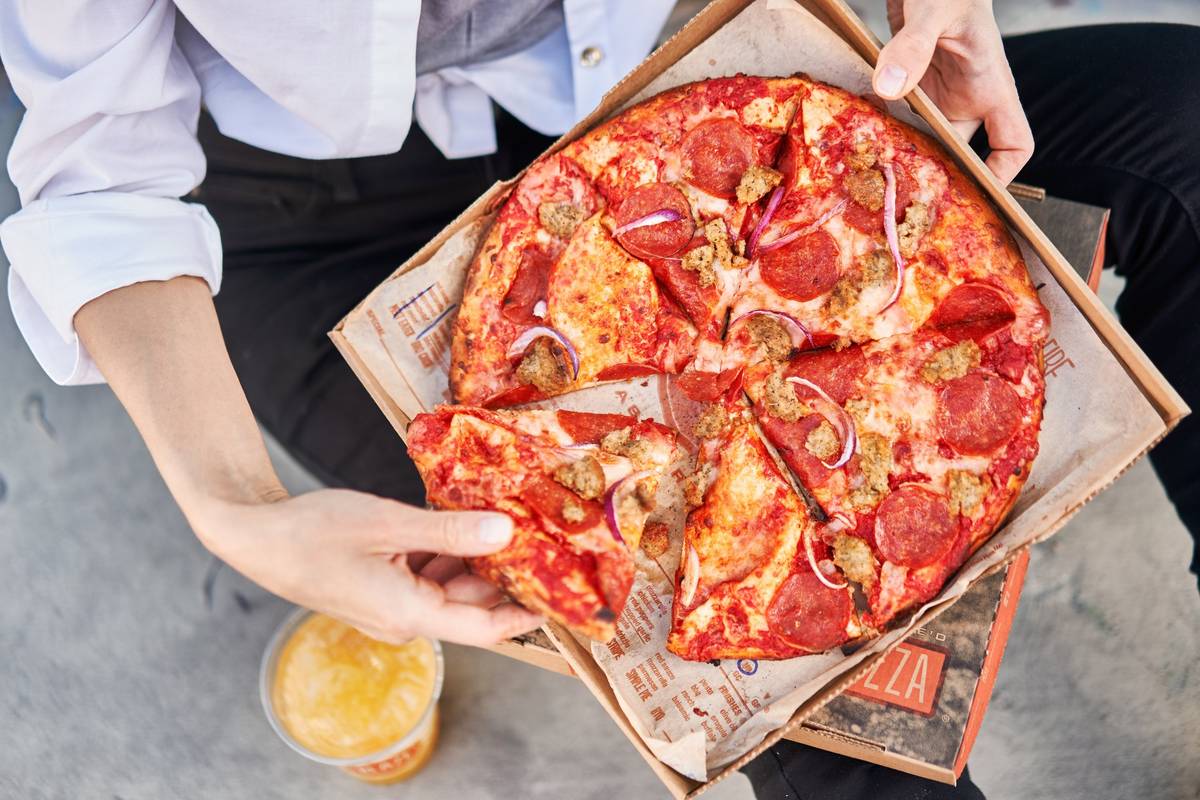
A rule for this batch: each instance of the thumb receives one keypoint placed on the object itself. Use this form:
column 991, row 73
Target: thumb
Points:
column 903, row 61
column 456, row 533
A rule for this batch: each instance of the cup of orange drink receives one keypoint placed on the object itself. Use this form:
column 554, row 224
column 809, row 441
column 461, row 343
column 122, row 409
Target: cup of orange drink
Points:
column 338, row 697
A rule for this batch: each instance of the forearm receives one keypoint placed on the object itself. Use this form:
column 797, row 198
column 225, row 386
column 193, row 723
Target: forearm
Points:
column 159, row 346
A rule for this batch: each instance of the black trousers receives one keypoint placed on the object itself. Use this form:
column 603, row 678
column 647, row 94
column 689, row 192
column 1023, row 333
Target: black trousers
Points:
column 1114, row 111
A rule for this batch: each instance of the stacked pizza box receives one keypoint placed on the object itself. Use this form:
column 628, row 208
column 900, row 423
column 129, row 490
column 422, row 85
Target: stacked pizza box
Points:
column 399, row 340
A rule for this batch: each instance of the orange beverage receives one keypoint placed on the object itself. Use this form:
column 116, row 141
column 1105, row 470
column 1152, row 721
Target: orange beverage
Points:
column 341, row 698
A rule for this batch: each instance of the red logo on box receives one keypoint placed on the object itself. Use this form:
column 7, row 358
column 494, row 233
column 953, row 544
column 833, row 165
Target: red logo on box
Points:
column 909, row 677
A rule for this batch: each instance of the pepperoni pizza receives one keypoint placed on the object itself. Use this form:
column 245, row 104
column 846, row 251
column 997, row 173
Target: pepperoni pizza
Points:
column 578, row 486
column 844, row 297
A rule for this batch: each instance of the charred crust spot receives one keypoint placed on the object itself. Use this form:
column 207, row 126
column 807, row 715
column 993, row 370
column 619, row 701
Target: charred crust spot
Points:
column 605, row 614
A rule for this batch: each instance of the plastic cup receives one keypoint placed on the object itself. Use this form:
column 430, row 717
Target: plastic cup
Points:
column 395, row 762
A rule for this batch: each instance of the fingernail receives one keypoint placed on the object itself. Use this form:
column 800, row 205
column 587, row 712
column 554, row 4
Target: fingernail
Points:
column 495, row 529
column 890, row 80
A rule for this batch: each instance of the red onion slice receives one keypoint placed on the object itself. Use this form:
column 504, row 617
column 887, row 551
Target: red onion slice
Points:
column 539, row 309
column 805, row 231
column 610, row 503
column 889, row 228
column 653, row 218
column 840, row 419
column 812, row 561
column 798, row 332
column 839, row 522
column 522, row 342
column 772, row 205
column 691, row 575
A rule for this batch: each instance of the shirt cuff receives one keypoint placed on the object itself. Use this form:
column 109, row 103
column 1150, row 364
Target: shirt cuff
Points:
column 67, row 251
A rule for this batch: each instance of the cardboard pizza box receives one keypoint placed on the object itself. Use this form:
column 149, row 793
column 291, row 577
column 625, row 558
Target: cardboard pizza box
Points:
column 919, row 709
column 397, row 341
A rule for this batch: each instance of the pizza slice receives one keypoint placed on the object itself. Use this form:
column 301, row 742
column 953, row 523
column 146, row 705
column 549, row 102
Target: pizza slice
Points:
column 683, row 174
column 914, row 447
column 872, row 227
column 753, row 581
column 553, row 304
column 578, row 486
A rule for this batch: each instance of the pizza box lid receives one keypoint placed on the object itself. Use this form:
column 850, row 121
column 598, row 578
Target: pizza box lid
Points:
column 394, row 391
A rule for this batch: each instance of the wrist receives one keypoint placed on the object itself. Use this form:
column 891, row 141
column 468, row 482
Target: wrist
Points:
column 217, row 512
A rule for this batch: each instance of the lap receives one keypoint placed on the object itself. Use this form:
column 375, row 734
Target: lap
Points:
column 1114, row 110
column 304, row 242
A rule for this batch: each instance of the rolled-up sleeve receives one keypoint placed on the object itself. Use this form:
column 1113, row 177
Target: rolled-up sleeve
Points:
column 106, row 147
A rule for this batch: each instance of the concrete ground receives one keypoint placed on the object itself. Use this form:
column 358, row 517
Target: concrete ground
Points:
column 129, row 658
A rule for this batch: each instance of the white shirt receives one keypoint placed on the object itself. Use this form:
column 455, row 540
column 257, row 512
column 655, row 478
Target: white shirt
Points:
column 113, row 88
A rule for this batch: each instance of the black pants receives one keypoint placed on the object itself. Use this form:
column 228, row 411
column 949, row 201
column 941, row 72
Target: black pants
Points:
column 1114, row 110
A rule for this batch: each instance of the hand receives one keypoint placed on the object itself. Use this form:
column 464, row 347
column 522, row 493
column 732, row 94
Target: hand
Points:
column 371, row 563
column 952, row 49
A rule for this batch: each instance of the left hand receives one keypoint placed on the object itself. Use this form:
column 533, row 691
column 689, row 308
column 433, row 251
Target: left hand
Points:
column 952, row 50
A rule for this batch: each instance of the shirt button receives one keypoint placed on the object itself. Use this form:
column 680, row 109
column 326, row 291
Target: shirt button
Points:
column 591, row 56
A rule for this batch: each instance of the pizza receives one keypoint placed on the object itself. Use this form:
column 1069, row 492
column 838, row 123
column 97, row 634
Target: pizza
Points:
column 616, row 256
column 913, row 448
column 746, row 588
column 851, row 308
column 579, row 487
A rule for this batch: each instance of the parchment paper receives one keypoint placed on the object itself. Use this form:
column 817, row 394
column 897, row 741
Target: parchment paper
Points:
column 698, row 717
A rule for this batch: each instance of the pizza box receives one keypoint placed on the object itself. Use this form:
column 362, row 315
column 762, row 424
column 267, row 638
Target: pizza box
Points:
column 397, row 342
column 920, row 709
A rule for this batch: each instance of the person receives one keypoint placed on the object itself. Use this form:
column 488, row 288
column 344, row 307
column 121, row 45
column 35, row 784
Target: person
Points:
column 305, row 159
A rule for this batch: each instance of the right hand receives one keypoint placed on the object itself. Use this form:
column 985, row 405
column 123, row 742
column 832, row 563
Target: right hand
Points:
column 391, row 570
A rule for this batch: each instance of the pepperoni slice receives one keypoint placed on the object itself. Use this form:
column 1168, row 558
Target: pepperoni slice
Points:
column 978, row 412
column 617, row 372
column 683, row 286
column 803, row 269
column 549, row 498
column 809, row 614
column 715, row 155
column 586, row 428
column 528, row 287
column 513, row 397
column 871, row 222
column 707, row 387
column 972, row 311
column 838, row 372
column 790, row 439
column 913, row 527
column 614, row 573
column 664, row 238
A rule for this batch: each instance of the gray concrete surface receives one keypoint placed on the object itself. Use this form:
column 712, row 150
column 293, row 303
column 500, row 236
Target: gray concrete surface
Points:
column 128, row 658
